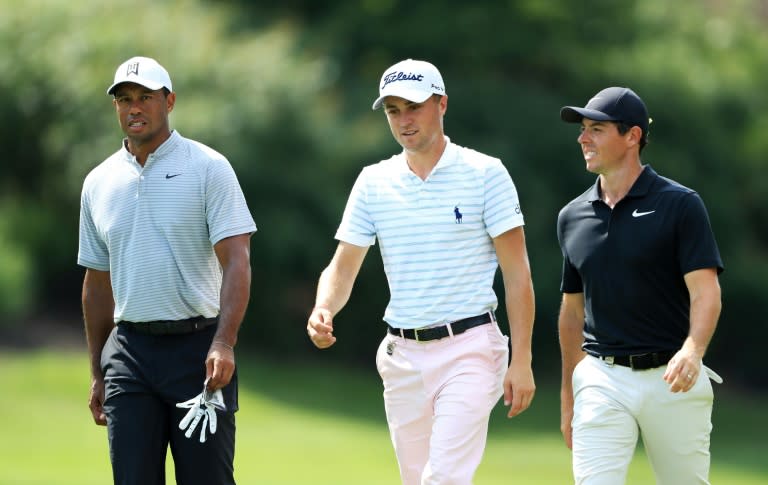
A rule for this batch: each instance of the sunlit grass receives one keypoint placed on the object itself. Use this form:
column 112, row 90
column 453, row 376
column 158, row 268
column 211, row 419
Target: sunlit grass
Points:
column 310, row 423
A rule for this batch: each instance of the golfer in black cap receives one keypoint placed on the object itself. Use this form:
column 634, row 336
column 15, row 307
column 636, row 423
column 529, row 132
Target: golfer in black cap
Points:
column 641, row 300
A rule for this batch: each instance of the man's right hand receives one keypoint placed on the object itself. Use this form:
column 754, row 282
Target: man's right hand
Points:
column 320, row 328
column 96, row 401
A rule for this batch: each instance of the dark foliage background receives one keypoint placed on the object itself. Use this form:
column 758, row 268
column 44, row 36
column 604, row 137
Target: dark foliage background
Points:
column 285, row 91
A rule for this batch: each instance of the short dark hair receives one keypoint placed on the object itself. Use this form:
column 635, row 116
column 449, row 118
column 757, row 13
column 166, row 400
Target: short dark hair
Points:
column 624, row 127
column 165, row 91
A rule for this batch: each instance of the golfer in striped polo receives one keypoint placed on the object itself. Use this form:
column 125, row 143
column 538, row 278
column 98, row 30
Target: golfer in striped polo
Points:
column 446, row 217
column 164, row 238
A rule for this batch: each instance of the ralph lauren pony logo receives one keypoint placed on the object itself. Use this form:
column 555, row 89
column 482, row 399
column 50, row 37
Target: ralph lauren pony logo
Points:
column 457, row 212
column 132, row 68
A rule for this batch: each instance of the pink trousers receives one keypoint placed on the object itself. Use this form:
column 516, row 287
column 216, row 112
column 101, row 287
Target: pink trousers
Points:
column 438, row 396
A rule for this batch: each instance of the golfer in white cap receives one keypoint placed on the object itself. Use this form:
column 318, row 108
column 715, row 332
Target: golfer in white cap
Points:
column 446, row 218
column 164, row 237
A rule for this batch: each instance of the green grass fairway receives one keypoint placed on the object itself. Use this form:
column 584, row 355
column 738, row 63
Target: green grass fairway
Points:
column 316, row 424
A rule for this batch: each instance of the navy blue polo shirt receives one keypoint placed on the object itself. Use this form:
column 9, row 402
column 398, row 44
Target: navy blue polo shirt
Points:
column 629, row 262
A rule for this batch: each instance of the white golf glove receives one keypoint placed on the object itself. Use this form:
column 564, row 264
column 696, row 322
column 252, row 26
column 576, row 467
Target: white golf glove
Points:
column 203, row 406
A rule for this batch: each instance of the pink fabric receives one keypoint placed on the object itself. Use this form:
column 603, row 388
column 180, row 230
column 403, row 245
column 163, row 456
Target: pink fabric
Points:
column 438, row 396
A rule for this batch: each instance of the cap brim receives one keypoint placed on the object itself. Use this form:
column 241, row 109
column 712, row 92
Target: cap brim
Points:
column 412, row 95
column 154, row 86
column 572, row 114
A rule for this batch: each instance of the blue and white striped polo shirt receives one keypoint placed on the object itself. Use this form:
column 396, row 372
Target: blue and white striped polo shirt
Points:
column 154, row 228
column 435, row 235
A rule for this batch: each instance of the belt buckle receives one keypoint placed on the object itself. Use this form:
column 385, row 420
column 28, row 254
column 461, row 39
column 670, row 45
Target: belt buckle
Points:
column 638, row 358
column 416, row 335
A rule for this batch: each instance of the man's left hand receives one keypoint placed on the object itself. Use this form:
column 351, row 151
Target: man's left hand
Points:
column 683, row 370
column 519, row 388
column 219, row 365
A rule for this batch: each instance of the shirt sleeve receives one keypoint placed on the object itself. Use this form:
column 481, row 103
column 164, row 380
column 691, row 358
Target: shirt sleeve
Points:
column 92, row 252
column 227, row 212
column 696, row 241
column 570, row 280
column 502, row 210
column 356, row 225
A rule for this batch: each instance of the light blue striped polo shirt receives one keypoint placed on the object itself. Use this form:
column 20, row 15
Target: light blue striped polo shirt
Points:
column 154, row 228
column 435, row 236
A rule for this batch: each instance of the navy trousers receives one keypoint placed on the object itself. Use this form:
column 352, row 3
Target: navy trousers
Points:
column 145, row 376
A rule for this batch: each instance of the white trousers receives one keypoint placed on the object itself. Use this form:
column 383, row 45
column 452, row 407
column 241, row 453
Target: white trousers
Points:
column 613, row 405
column 438, row 396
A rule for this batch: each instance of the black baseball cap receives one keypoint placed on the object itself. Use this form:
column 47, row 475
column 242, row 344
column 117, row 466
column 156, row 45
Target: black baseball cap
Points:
column 611, row 104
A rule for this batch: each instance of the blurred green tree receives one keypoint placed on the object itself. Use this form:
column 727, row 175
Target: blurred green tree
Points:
column 284, row 89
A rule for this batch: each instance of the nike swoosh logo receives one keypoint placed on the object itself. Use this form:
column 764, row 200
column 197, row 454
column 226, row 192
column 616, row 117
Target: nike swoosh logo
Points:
column 169, row 176
column 641, row 214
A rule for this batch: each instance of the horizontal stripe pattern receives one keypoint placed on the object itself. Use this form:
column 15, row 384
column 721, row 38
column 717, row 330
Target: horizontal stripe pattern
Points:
column 154, row 228
column 435, row 235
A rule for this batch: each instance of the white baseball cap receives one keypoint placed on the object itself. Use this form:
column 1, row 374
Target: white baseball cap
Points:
column 142, row 70
column 413, row 80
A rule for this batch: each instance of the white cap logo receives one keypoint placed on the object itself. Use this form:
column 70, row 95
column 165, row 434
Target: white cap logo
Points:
column 133, row 68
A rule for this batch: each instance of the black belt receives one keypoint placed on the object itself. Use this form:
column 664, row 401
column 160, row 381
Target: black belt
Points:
column 650, row 360
column 170, row 327
column 436, row 333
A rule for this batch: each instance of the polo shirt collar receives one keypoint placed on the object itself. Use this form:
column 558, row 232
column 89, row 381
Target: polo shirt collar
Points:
column 640, row 188
column 166, row 147
column 643, row 184
column 449, row 157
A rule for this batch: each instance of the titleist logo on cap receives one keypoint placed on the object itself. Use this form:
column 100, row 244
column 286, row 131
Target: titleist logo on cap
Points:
column 401, row 76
